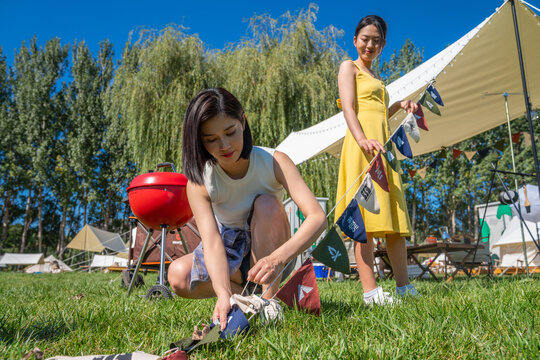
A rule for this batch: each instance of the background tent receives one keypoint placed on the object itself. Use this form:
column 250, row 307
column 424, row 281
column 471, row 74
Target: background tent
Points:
column 96, row 240
column 21, row 259
column 108, row 260
column 471, row 75
column 511, row 247
column 50, row 265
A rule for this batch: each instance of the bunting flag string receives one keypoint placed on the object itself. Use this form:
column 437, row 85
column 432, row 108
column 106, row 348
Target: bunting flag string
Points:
column 515, row 137
column 412, row 173
column 456, row 153
column 411, row 127
column 352, row 224
column 434, row 94
column 391, row 157
column 331, row 251
column 500, row 145
column 301, row 290
column 377, row 172
column 422, row 172
column 470, row 154
column 420, row 118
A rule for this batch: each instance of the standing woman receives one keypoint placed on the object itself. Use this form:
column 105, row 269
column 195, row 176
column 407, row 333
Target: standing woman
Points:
column 364, row 101
column 235, row 190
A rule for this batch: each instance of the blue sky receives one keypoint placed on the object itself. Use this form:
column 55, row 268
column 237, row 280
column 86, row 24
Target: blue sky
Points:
column 429, row 24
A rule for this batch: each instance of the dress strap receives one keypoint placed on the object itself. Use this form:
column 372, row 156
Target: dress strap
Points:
column 355, row 64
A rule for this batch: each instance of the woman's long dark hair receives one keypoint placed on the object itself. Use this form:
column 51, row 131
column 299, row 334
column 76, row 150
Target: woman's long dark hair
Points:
column 205, row 105
column 375, row 20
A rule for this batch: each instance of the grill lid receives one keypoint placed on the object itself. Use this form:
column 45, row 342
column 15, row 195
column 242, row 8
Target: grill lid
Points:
column 158, row 179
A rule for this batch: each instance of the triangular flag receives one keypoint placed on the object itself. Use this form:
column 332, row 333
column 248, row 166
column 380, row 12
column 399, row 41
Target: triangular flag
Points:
column 367, row 197
column 301, row 289
column 483, row 153
column 456, row 153
column 411, row 127
column 442, row 154
column 378, row 174
column 527, row 139
column 332, row 252
column 420, row 118
column 427, row 101
column 402, row 143
column 434, row 94
column 515, row 137
column 434, row 163
column 352, row 224
column 470, row 154
column 500, row 145
column 390, row 156
column 412, row 173
column 236, row 323
column 422, row 172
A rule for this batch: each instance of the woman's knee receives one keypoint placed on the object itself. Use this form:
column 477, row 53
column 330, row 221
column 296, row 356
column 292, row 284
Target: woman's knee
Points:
column 179, row 276
column 268, row 206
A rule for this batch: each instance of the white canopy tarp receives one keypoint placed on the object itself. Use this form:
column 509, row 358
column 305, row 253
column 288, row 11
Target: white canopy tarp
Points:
column 108, row 260
column 471, row 75
column 50, row 265
column 511, row 245
column 21, row 259
column 534, row 203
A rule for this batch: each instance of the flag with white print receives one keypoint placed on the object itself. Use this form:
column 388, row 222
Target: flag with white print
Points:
column 411, row 127
column 332, row 252
column 366, row 195
column 301, row 290
column 434, row 94
column 390, row 156
column 402, row 143
column 420, row 118
column 352, row 224
column 378, row 173
column 427, row 101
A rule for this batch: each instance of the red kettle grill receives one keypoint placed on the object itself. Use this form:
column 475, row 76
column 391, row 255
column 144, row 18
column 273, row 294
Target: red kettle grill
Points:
column 159, row 201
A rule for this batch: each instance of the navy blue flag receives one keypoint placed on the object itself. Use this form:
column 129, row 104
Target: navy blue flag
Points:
column 483, row 153
column 402, row 143
column 435, row 94
column 236, row 323
column 352, row 224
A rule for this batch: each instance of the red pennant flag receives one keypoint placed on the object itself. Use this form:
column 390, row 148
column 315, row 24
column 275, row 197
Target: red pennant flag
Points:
column 378, row 174
column 420, row 118
column 412, row 173
column 302, row 290
column 515, row 137
column 456, row 153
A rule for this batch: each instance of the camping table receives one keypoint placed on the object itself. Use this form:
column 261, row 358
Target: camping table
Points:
column 438, row 249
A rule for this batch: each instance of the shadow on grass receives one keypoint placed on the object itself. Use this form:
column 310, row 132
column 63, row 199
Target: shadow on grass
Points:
column 50, row 330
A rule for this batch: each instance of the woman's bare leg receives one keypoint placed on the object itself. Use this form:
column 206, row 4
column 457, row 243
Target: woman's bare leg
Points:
column 179, row 276
column 397, row 252
column 269, row 230
column 364, row 261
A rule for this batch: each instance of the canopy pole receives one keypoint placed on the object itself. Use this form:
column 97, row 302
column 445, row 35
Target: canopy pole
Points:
column 526, row 95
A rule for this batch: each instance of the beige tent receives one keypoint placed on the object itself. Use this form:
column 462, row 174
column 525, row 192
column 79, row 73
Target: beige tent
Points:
column 50, row 265
column 96, row 240
column 470, row 75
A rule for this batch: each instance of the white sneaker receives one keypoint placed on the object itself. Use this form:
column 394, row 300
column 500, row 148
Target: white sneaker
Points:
column 378, row 297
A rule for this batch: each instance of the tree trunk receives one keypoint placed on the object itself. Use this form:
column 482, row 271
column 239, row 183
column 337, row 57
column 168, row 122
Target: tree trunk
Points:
column 27, row 220
column 476, row 222
column 469, row 216
column 107, row 211
column 85, row 206
column 453, row 214
column 40, row 218
column 62, row 234
column 5, row 218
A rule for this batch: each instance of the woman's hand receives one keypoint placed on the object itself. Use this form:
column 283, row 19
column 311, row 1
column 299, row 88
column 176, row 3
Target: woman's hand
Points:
column 264, row 270
column 371, row 146
column 409, row 106
column 221, row 310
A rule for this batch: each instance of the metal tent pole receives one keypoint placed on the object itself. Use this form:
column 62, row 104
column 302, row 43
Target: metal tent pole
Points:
column 526, row 95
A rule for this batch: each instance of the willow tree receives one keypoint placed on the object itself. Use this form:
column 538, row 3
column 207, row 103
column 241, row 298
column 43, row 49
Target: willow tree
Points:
column 158, row 75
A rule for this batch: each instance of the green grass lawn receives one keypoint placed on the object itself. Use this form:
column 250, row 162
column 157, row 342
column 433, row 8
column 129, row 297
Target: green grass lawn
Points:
column 466, row 319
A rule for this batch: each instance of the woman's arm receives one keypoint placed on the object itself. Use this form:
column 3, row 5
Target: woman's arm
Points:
column 407, row 105
column 213, row 249
column 346, row 84
column 315, row 221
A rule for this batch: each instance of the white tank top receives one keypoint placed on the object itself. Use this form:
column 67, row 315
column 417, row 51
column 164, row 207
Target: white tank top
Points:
column 232, row 198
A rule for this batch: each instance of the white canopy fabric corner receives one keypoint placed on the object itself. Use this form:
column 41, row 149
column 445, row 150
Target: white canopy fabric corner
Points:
column 471, row 75
column 108, row 260
column 534, row 203
column 96, row 240
column 21, row 259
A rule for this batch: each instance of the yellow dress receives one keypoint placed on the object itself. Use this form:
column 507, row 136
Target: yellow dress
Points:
column 371, row 107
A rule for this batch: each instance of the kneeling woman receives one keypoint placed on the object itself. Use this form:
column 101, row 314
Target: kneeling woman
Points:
column 235, row 191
